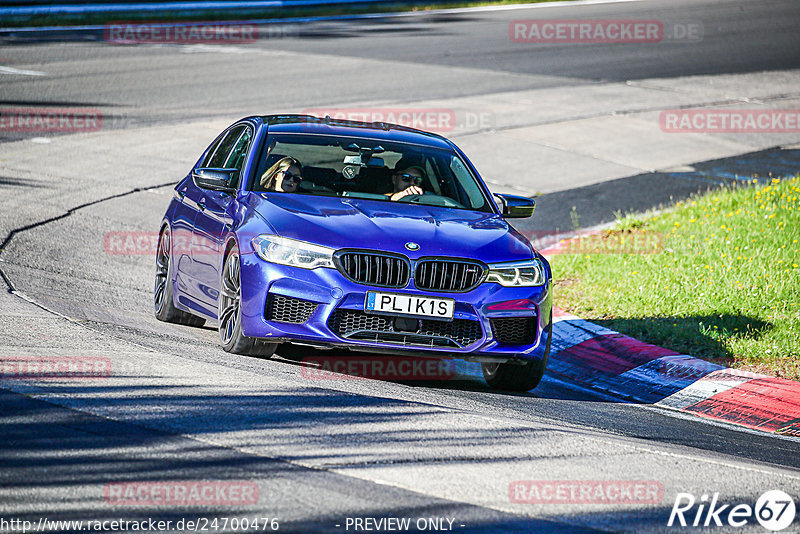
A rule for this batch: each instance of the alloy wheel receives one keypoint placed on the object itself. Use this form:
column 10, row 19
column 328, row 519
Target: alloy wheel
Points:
column 162, row 271
column 230, row 299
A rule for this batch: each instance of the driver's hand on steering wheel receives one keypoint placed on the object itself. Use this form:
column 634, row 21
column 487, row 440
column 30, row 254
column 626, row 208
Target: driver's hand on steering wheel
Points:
column 410, row 190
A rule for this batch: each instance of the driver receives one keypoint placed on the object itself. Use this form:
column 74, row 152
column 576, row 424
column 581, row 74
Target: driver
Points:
column 285, row 176
column 406, row 182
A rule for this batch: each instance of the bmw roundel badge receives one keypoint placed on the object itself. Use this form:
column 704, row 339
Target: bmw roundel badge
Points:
column 412, row 246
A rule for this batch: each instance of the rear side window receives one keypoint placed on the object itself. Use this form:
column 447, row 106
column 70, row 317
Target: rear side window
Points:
column 224, row 147
column 238, row 153
column 211, row 150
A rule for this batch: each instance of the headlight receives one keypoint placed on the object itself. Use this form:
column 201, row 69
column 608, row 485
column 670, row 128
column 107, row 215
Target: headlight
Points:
column 517, row 273
column 292, row 252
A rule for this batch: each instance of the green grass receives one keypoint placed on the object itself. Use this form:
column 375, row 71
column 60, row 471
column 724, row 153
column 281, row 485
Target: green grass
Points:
column 246, row 14
column 717, row 277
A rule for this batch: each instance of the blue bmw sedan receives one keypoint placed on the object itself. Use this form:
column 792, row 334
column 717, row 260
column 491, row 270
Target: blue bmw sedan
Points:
column 366, row 236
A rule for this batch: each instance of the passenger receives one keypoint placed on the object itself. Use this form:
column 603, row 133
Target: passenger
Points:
column 406, row 181
column 285, row 176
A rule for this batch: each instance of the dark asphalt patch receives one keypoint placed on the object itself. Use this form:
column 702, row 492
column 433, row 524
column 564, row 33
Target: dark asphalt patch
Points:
column 582, row 207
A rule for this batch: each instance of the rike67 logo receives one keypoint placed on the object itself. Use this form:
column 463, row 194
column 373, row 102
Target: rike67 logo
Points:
column 774, row 511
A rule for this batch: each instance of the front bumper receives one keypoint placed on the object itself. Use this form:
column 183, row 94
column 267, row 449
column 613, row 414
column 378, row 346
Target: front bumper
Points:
column 336, row 296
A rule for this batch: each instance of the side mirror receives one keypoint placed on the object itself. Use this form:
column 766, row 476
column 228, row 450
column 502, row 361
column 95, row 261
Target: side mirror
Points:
column 514, row 207
column 214, row 179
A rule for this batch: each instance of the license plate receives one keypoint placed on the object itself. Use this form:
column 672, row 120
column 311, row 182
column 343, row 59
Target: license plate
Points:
column 413, row 305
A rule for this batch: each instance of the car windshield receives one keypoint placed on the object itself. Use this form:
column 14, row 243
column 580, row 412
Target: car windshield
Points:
column 369, row 169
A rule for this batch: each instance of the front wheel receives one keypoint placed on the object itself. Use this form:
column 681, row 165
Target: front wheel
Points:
column 230, row 314
column 515, row 377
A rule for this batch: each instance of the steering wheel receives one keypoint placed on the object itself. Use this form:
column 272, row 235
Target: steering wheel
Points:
column 410, row 198
column 432, row 199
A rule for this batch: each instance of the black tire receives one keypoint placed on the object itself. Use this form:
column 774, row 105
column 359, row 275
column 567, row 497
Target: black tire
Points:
column 515, row 377
column 230, row 314
column 163, row 304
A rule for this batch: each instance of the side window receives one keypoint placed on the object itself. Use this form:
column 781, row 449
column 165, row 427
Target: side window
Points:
column 465, row 185
column 211, row 150
column 238, row 153
column 224, row 148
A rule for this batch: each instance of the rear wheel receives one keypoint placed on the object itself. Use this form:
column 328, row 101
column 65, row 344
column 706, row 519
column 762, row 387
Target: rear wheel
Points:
column 162, row 290
column 516, row 377
column 230, row 314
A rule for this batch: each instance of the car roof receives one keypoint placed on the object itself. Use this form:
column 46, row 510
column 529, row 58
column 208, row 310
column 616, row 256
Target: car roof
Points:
column 307, row 124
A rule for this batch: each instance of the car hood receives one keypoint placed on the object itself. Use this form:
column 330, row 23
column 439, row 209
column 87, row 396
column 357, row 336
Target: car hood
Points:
column 356, row 223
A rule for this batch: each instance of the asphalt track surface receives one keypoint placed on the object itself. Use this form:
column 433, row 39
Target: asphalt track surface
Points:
column 326, row 450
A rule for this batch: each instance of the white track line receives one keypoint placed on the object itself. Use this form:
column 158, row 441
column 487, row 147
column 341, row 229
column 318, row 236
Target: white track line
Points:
column 22, row 72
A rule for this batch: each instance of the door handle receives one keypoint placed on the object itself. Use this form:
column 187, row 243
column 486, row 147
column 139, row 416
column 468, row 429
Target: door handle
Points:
column 202, row 205
column 181, row 194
